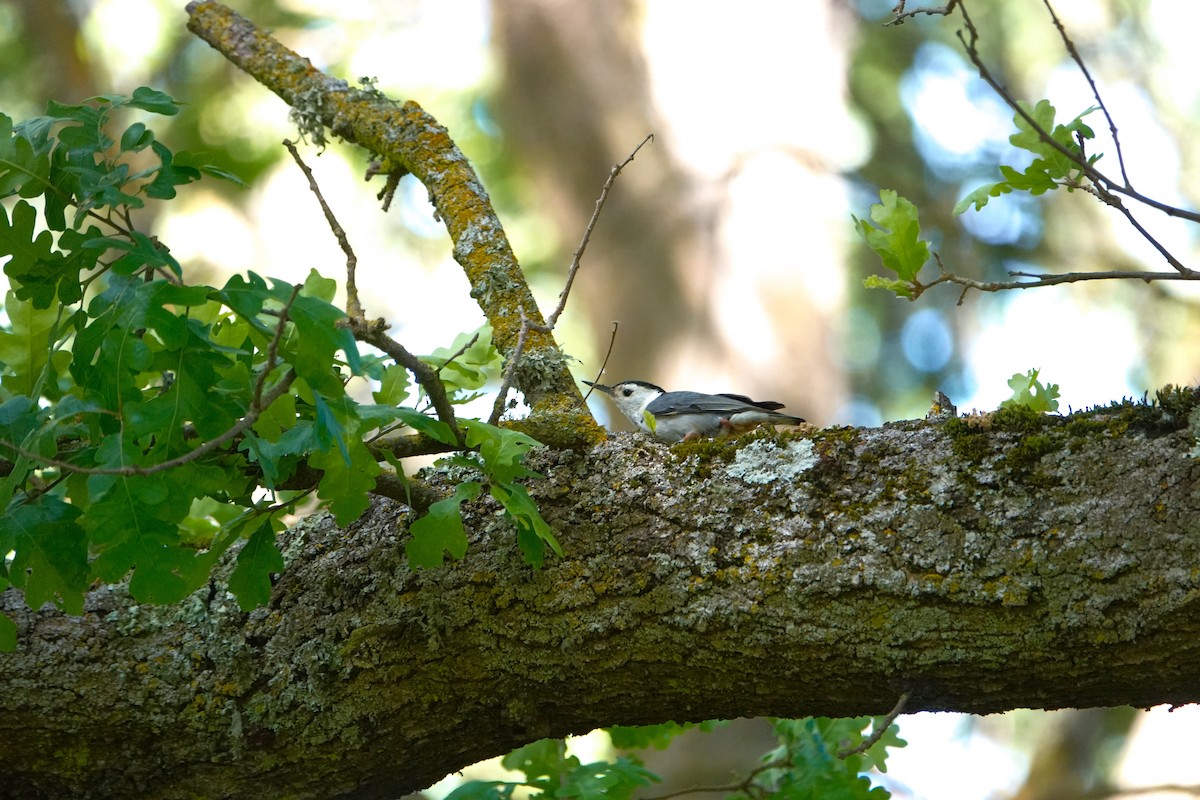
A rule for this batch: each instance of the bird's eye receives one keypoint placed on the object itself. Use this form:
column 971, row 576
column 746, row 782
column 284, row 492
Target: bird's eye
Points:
column 627, row 392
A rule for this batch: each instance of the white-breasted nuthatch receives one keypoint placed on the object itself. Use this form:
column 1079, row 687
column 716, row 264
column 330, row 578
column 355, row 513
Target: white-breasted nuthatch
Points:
column 683, row 416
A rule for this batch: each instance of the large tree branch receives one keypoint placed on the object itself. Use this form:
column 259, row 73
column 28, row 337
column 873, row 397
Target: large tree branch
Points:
column 409, row 139
column 1038, row 562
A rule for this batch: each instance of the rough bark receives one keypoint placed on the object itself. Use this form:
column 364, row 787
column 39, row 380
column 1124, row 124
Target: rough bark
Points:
column 1023, row 562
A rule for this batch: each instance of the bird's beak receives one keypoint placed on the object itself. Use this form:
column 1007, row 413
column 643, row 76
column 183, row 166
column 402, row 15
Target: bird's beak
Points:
column 606, row 389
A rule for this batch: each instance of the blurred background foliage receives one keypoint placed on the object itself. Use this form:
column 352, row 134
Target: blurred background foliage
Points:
column 726, row 251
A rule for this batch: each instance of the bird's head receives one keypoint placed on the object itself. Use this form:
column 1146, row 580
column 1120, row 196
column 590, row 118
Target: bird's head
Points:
column 631, row 397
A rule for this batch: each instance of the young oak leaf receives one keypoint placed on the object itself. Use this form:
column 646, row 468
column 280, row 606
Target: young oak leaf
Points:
column 894, row 233
column 251, row 578
column 441, row 529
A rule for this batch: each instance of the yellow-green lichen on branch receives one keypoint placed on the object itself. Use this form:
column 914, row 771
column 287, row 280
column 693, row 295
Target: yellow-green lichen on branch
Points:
column 407, row 138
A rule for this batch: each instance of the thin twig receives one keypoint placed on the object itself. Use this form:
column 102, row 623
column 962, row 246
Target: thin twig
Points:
column 273, row 348
column 587, row 234
column 510, row 371
column 900, row 14
column 527, row 325
column 459, row 352
column 741, row 786
column 612, row 341
column 1093, row 174
column 1112, row 125
column 1045, row 280
column 373, row 334
column 353, row 307
column 877, row 730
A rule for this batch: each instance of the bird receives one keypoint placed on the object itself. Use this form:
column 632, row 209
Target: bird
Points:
column 686, row 416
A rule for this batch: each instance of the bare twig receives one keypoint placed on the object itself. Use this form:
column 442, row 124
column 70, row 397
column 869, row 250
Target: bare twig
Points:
column 510, row 371
column 527, row 325
column 353, row 307
column 612, row 341
column 733, row 788
column 970, row 42
column 1112, row 125
column 877, row 730
column 587, row 234
column 900, row 14
column 1044, row 280
column 373, row 334
column 459, row 352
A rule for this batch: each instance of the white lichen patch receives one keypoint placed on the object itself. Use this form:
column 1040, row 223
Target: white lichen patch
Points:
column 764, row 461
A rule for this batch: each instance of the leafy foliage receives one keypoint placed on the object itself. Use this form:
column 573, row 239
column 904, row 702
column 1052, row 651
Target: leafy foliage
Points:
column 1050, row 167
column 808, row 764
column 1029, row 392
column 894, row 232
column 639, row 737
column 814, row 759
column 499, row 461
column 152, row 423
column 895, row 237
column 550, row 772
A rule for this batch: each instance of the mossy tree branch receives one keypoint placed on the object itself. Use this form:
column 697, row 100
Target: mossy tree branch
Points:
column 408, row 139
column 976, row 565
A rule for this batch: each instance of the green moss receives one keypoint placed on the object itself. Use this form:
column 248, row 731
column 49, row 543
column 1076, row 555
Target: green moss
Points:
column 702, row 455
column 1178, row 401
column 1168, row 413
column 1082, row 428
column 970, row 443
column 1018, row 419
column 1028, row 451
column 846, row 435
column 565, row 427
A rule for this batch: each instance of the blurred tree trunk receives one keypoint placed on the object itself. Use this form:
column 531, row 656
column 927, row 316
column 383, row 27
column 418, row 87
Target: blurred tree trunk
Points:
column 58, row 66
column 575, row 97
column 1075, row 752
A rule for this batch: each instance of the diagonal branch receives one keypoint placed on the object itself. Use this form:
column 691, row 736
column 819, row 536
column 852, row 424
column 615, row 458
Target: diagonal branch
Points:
column 552, row 320
column 528, row 324
column 353, row 306
column 373, row 332
column 970, row 42
column 1074, row 53
column 405, row 136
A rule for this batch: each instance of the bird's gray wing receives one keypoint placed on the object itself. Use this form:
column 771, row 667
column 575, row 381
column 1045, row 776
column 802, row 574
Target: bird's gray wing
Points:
column 769, row 405
column 699, row 403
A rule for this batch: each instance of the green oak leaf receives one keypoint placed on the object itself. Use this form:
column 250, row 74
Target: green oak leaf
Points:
column 423, row 423
column 894, row 233
column 251, row 578
column 8, row 634
column 26, row 350
column 533, row 532
column 347, row 482
column 49, row 552
column 441, row 529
